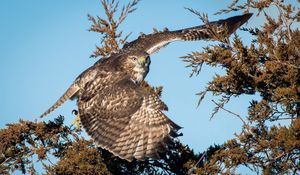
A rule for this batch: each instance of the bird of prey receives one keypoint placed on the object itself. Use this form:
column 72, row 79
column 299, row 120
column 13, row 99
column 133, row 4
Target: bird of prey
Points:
column 118, row 113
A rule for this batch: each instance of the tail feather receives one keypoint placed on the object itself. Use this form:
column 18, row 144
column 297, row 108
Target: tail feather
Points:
column 72, row 90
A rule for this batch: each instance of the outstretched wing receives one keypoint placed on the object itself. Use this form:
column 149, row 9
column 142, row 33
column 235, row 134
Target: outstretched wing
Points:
column 153, row 42
column 125, row 119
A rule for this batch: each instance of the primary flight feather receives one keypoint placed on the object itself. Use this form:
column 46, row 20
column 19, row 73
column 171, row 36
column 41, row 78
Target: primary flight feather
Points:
column 116, row 110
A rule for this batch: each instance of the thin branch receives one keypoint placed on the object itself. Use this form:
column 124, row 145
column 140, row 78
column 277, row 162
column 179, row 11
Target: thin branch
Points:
column 276, row 158
column 286, row 118
column 282, row 15
column 195, row 166
column 245, row 124
column 108, row 27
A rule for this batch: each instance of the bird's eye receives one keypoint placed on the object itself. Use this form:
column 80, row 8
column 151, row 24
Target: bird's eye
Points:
column 134, row 58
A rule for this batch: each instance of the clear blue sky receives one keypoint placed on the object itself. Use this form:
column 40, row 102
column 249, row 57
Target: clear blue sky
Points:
column 45, row 45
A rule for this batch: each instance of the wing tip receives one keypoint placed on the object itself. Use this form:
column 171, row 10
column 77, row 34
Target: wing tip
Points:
column 233, row 23
column 245, row 17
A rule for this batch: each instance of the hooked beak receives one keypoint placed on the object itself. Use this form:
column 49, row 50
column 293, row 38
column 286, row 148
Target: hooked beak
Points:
column 142, row 60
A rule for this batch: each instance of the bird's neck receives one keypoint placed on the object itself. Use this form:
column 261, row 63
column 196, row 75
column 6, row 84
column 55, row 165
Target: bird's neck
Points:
column 139, row 73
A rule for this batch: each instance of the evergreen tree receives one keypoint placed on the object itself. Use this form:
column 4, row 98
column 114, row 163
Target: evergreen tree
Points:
column 268, row 67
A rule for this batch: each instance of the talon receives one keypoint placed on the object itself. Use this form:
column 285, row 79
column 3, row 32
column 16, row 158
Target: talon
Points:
column 76, row 122
column 75, row 112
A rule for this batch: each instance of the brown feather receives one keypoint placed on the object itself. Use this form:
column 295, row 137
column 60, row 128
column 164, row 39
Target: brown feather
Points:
column 152, row 43
column 126, row 120
column 70, row 93
column 119, row 113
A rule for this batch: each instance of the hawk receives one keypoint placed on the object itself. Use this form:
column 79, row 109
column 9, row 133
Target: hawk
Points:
column 120, row 114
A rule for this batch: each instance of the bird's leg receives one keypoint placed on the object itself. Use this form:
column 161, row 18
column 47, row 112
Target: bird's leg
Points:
column 76, row 122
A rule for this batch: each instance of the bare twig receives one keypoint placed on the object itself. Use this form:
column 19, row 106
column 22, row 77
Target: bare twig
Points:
column 196, row 164
column 108, row 27
column 245, row 124
column 283, row 17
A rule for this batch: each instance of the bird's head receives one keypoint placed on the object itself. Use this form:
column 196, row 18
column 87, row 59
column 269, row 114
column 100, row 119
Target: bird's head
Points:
column 137, row 65
column 138, row 59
